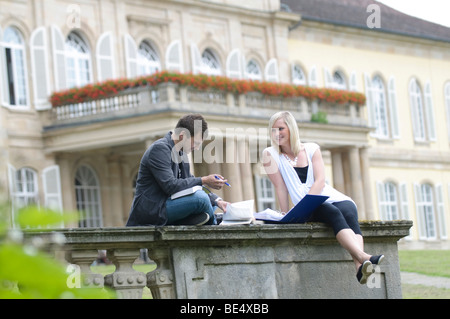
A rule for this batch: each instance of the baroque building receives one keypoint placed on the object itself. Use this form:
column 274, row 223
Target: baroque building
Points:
column 391, row 155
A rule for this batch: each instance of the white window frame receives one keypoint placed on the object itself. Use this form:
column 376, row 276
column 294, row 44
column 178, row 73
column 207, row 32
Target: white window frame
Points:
column 21, row 98
column 253, row 70
column 298, row 75
column 148, row 59
column 88, row 188
column 425, row 206
column 447, row 106
column 79, row 54
column 264, row 188
column 210, row 63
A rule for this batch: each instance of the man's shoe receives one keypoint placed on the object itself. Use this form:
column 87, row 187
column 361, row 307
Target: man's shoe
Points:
column 195, row 220
column 364, row 271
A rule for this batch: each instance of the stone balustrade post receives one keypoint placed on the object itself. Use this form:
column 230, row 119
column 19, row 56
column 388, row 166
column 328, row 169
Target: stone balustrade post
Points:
column 160, row 281
column 127, row 282
column 84, row 259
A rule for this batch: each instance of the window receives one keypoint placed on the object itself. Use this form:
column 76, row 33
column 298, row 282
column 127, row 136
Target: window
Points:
column 298, row 76
column 388, row 201
column 15, row 87
column 210, row 62
column 425, row 211
column 253, row 71
column 148, row 59
column 339, row 81
column 87, row 191
column 26, row 188
column 265, row 193
column 379, row 107
column 422, row 112
column 447, row 106
column 382, row 107
column 78, row 61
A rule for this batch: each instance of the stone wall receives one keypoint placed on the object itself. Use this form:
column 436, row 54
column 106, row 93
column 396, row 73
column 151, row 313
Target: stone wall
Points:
column 245, row 261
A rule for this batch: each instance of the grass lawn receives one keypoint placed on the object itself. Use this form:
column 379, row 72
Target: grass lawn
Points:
column 426, row 262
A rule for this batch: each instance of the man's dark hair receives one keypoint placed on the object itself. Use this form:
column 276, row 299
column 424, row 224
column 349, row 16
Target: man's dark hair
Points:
column 192, row 123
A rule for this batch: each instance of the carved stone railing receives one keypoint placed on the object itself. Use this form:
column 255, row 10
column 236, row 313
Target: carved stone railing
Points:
column 245, row 261
column 171, row 96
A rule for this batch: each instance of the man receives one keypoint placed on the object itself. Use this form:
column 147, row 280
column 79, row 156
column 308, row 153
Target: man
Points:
column 164, row 170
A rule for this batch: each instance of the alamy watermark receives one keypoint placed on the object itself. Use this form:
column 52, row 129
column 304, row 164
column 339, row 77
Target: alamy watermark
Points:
column 374, row 19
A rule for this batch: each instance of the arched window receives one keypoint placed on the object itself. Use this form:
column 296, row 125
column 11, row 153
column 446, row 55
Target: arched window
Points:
column 14, row 76
column 253, row 71
column 422, row 112
column 339, row 81
column 379, row 107
column 298, row 76
column 148, row 59
column 211, row 64
column 388, row 201
column 78, row 61
column 87, row 192
column 425, row 211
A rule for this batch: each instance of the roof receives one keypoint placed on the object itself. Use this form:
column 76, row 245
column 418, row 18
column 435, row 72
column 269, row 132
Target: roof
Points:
column 353, row 13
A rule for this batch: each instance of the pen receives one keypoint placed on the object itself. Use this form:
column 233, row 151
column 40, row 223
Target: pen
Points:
column 217, row 177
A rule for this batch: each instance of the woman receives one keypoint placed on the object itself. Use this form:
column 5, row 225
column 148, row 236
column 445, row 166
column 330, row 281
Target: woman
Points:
column 297, row 169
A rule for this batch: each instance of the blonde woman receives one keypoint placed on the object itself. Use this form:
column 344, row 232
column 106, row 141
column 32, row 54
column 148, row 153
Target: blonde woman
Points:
column 297, row 169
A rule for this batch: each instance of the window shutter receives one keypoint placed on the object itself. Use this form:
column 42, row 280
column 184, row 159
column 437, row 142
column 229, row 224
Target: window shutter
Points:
column 105, row 57
column 441, row 212
column 404, row 205
column 59, row 58
column 39, row 67
column 313, row 77
column 353, row 84
column 3, row 74
column 392, row 95
column 174, row 57
column 369, row 101
column 328, row 79
column 420, row 212
column 271, row 71
column 447, row 107
column 233, row 64
column 196, row 59
column 52, row 188
column 131, row 56
column 429, row 113
column 381, row 201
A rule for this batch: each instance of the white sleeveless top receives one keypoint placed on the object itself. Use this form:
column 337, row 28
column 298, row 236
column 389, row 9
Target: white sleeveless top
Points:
column 297, row 190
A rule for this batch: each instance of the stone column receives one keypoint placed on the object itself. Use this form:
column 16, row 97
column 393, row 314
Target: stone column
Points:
column 115, row 191
column 84, row 258
column 160, row 281
column 127, row 282
column 365, row 171
column 338, row 171
column 357, row 190
column 245, row 168
column 231, row 171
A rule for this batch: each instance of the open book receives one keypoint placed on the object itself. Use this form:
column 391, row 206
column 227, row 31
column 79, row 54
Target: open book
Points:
column 300, row 213
column 239, row 213
column 185, row 192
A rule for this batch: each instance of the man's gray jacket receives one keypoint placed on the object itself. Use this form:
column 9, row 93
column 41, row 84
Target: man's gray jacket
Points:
column 159, row 177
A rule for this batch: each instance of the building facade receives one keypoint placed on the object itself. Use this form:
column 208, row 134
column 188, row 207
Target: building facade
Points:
column 392, row 155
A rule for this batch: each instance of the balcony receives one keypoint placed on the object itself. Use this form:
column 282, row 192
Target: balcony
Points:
column 259, row 101
column 275, row 261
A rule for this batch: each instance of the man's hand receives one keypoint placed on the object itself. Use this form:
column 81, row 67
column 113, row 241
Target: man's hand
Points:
column 222, row 205
column 213, row 182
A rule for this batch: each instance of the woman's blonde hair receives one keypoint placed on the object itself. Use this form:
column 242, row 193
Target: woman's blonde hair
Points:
column 291, row 123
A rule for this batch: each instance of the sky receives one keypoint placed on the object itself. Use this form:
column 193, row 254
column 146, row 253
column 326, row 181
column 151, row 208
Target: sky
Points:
column 437, row 11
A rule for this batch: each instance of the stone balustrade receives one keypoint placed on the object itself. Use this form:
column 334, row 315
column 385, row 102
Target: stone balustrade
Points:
column 144, row 100
column 244, row 261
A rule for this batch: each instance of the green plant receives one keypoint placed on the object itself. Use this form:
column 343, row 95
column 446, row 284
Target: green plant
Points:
column 26, row 271
column 319, row 117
